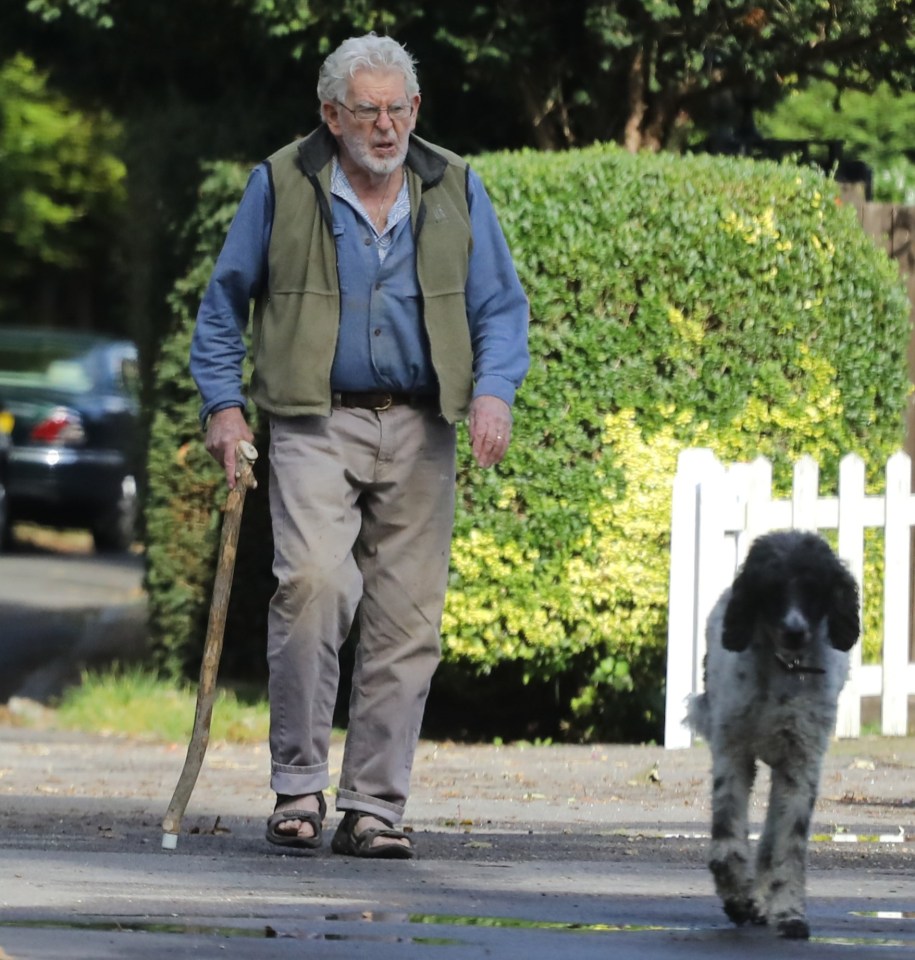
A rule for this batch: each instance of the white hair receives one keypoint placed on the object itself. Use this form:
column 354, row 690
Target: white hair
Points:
column 368, row 52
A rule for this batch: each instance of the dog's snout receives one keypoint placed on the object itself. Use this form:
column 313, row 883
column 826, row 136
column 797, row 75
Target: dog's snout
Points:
column 795, row 629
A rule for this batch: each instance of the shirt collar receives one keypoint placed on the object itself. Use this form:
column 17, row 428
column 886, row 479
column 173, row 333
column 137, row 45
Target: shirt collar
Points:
column 342, row 188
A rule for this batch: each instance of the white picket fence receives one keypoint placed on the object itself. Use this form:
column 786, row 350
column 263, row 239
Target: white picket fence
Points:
column 717, row 512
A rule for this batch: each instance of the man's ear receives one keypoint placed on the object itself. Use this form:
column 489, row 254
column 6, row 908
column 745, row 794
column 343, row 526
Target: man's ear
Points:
column 416, row 101
column 330, row 114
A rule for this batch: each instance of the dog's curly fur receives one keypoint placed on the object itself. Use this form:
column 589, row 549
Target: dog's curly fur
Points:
column 776, row 662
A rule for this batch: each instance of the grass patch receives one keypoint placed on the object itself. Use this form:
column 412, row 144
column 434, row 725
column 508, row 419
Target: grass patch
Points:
column 136, row 703
column 47, row 538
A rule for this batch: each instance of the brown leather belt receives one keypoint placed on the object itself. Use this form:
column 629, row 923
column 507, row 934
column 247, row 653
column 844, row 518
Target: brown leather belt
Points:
column 379, row 400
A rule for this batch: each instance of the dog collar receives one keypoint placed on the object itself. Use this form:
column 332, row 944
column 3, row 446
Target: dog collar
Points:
column 795, row 666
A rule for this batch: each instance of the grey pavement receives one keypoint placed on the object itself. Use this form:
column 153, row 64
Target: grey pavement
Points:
column 61, row 613
column 524, row 851
column 527, row 851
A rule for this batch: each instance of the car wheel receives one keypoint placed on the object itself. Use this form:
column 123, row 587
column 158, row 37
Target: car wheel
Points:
column 115, row 530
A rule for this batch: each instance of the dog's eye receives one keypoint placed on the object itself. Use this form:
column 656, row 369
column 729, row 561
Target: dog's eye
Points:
column 774, row 606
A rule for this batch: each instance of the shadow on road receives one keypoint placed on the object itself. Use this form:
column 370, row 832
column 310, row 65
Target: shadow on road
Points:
column 65, row 609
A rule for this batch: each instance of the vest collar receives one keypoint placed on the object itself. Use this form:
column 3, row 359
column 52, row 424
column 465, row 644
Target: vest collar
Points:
column 317, row 149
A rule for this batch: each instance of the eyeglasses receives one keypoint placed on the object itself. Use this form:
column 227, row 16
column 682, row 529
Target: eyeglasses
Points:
column 365, row 113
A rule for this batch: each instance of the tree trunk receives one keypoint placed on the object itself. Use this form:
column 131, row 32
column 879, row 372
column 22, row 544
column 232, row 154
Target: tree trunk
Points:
column 538, row 112
column 632, row 134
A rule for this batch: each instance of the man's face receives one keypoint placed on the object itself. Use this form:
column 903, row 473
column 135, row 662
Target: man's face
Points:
column 378, row 145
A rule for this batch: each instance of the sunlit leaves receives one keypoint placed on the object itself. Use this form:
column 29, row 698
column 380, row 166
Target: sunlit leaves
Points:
column 58, row 167
column 675, row 302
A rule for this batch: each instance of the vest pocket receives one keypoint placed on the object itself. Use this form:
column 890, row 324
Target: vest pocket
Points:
column 294, row 350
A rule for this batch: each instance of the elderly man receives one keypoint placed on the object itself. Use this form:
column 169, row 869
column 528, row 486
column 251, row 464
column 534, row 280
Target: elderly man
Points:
column 386, row 308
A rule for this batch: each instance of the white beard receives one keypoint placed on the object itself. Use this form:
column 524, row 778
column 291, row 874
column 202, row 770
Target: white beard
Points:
column 361, row 153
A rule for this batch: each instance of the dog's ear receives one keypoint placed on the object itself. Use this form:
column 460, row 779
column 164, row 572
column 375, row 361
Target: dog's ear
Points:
column 843, row 616
column 739, row 614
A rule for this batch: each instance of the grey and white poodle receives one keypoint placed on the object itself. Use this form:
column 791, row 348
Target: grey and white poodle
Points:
column 778, row 642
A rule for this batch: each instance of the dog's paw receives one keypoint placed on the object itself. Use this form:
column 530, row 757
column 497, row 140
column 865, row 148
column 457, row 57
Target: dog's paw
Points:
column 758, row 914
column 740, row 910
column 794, row 928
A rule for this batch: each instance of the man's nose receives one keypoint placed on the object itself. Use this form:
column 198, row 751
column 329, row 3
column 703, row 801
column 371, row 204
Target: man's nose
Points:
column 384, row 120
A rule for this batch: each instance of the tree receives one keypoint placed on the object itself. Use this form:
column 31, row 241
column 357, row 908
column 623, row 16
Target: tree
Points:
column 61, row 189
column 547, row 73
column 178, row 76
column 638, row 71
column 193, row 81
column 873, row 127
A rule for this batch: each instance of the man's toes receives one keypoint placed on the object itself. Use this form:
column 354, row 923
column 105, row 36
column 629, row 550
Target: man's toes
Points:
column 372, row 823
column 294, row 828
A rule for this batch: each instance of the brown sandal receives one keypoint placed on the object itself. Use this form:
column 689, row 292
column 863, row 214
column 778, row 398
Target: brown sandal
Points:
column 352, row 844
column 315, row 819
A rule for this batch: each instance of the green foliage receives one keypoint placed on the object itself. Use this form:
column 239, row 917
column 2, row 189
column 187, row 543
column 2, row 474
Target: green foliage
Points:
column 97, row 11
column 136, row 703
column 500, row 75
column 60, row 177
column 675, row 302
column 555, row 74
column 875, row 127
column 634, row 71
column 314, row 24
column 186, row 488
column 894, row 182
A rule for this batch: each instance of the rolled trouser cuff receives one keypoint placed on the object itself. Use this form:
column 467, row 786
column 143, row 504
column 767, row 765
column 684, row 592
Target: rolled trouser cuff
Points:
column 298, row 781
column 361, row 803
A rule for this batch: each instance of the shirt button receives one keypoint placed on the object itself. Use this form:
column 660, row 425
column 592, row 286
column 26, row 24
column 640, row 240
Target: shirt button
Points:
column 377, row 332
column 377, row 286
column 367, row 241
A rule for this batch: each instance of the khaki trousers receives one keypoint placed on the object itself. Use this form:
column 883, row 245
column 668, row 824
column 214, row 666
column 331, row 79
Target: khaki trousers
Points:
column 362, row 506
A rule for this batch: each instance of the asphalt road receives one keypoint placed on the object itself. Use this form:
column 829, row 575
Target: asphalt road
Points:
column 64, row 611
column 524, row 851
column 534, row 852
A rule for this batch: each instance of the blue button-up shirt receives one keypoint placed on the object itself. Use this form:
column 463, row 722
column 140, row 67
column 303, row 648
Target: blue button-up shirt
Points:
column 382, row 344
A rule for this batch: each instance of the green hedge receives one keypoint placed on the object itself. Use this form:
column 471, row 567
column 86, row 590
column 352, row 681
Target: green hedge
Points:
column 675, row 301
column 186, row 489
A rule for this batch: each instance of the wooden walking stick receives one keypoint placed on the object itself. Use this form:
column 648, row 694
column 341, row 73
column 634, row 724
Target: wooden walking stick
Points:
column 245, row 455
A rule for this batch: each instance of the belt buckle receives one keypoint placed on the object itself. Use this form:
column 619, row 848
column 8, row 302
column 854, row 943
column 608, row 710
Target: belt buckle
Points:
column 386, row 405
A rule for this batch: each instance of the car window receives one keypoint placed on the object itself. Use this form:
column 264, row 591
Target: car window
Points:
column 127, row 374
column 52, row 365
column 69, row 375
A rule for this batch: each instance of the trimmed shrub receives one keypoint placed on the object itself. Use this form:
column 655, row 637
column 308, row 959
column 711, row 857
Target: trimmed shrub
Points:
column 675, row 301
column 186, row 489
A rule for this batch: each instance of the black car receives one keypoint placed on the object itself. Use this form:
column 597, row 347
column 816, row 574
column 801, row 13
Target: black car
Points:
column 73, row 461
column 6, row 427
